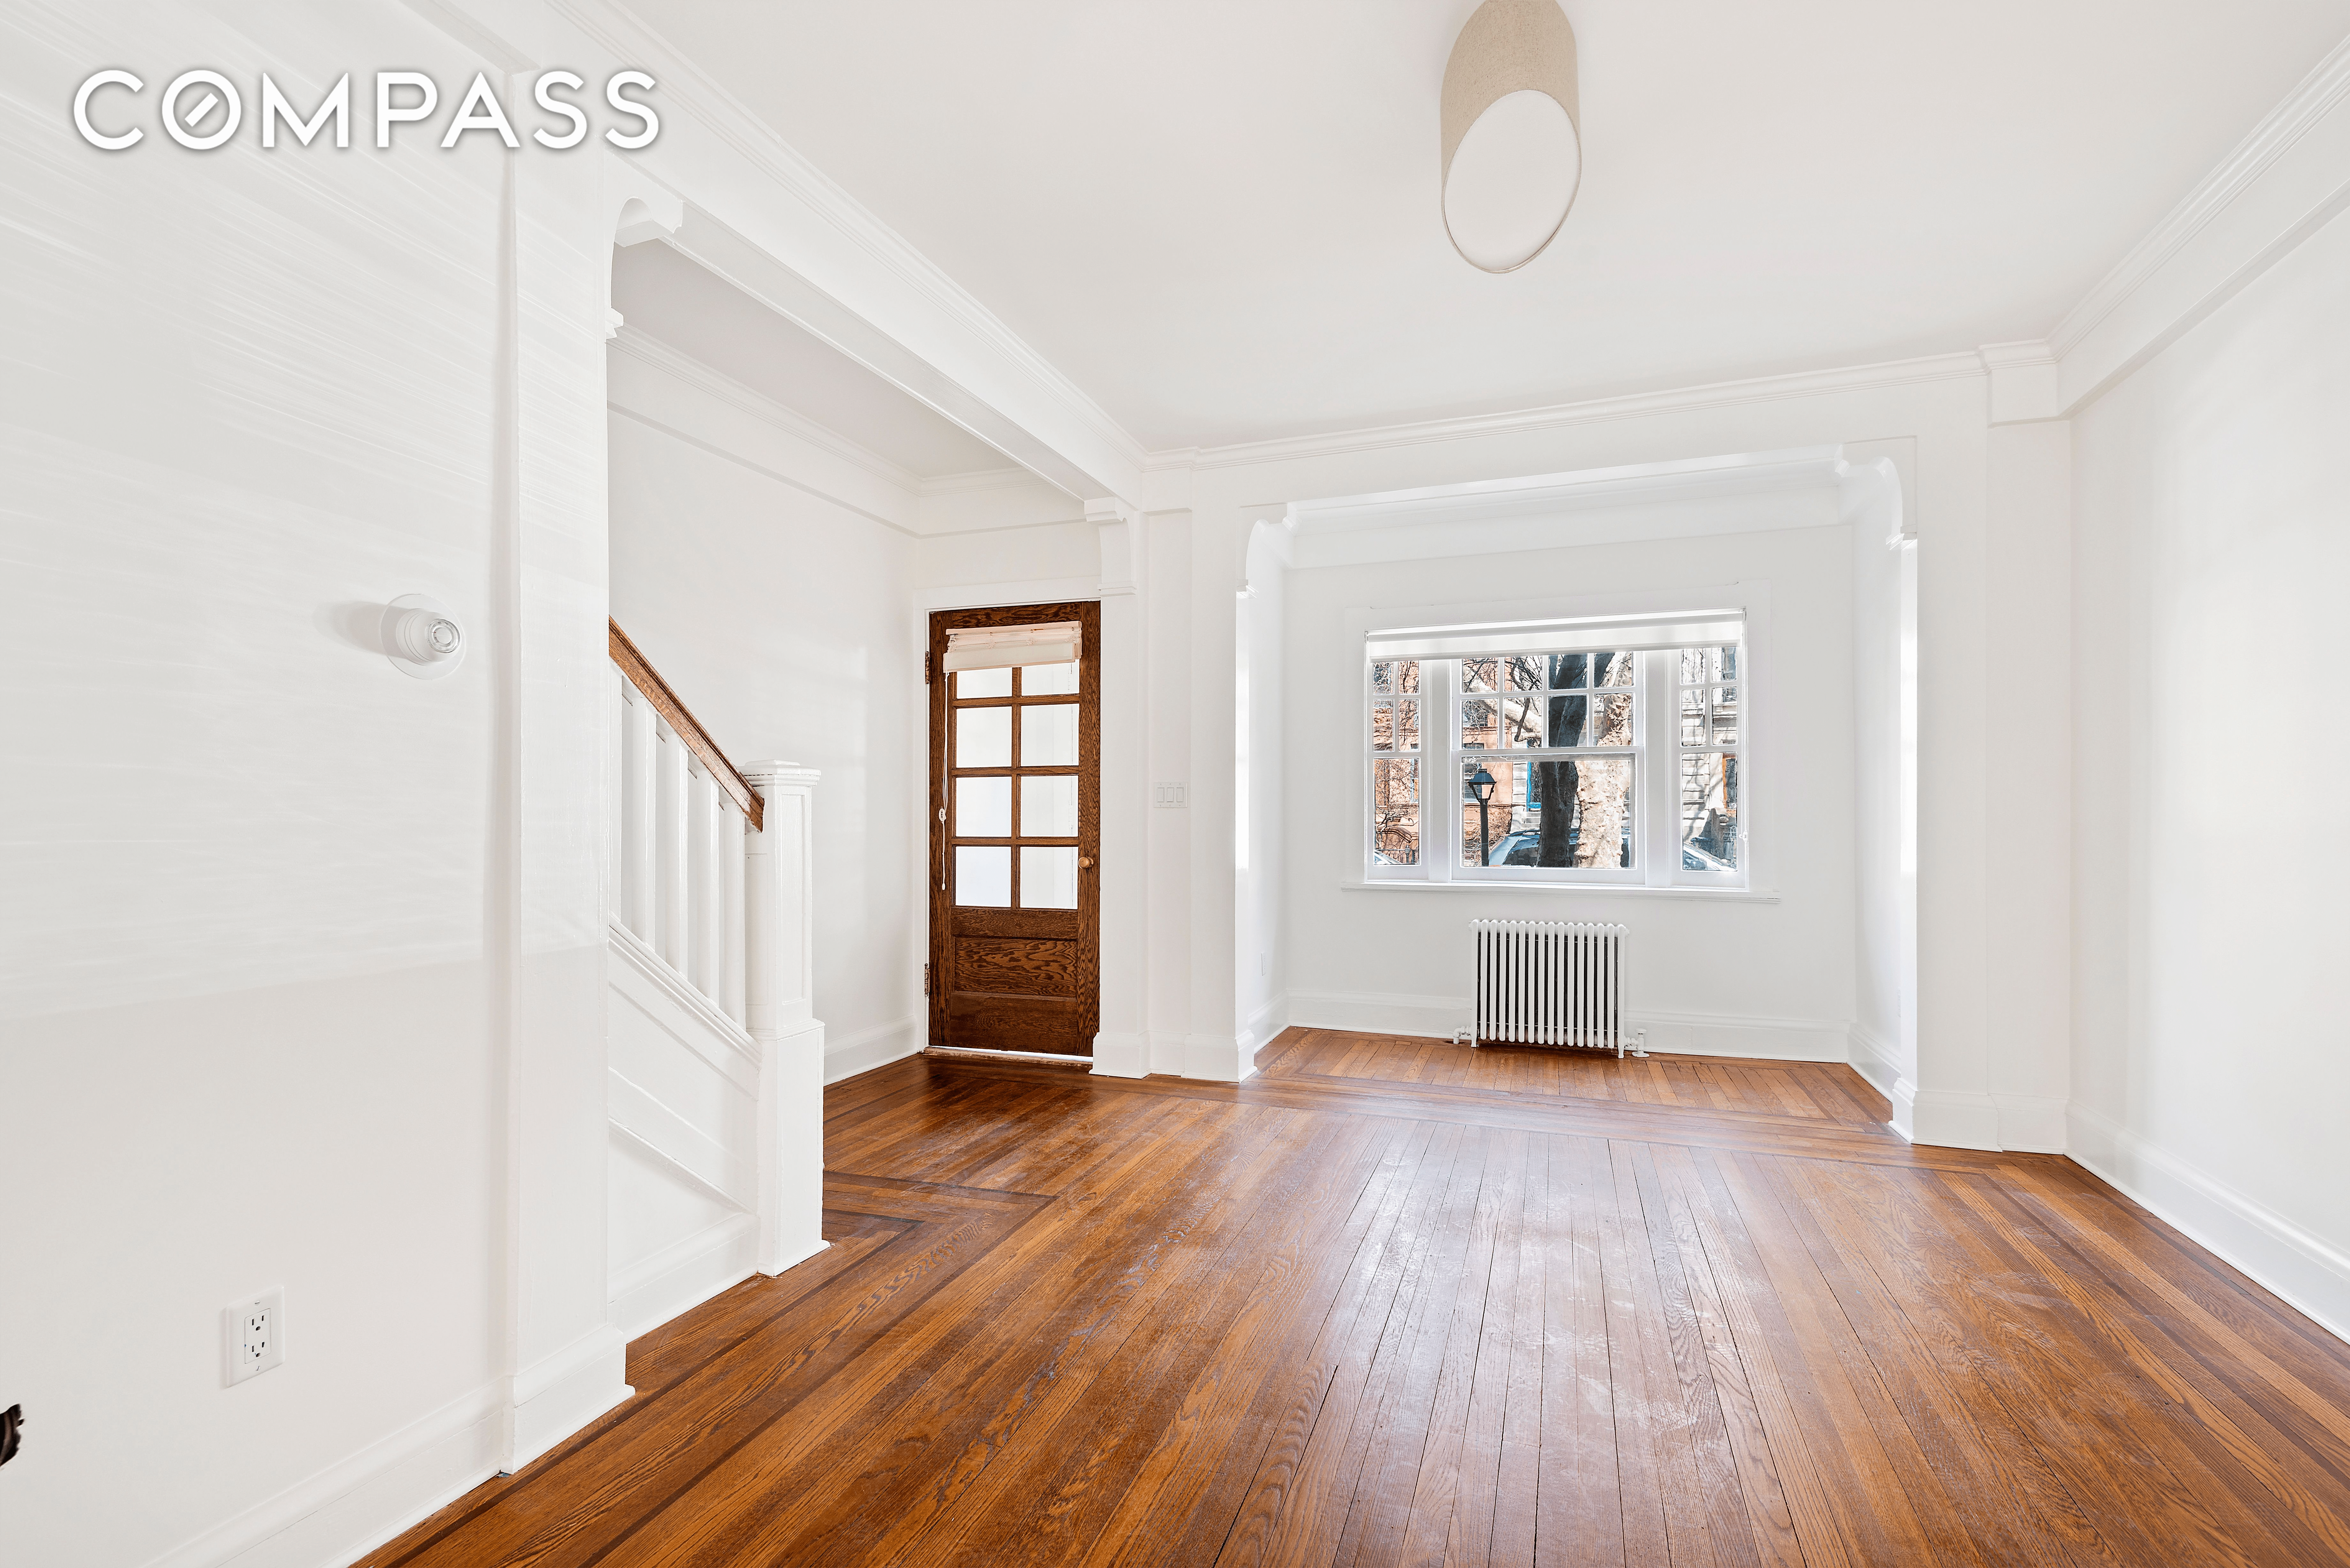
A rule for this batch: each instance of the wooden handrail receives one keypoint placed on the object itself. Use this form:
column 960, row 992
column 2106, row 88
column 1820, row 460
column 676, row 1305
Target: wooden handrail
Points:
column 666, row 703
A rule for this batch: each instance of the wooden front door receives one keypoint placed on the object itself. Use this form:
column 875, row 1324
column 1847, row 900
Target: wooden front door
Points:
column 1015, row 835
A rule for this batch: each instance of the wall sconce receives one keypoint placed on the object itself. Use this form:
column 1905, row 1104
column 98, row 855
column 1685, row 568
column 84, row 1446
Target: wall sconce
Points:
column 422, row 637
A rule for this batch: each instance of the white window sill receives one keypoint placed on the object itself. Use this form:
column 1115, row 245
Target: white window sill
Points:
column 1560, row 889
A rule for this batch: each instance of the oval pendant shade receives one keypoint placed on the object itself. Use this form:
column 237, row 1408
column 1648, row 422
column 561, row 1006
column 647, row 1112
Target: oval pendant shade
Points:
column 1512, row 156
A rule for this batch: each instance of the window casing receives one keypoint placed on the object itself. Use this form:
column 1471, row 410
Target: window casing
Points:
column 1600, row 768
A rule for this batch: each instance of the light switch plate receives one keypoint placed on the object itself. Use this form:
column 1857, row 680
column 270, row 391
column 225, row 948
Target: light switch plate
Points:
column 254, row 1330
column 1168, row 795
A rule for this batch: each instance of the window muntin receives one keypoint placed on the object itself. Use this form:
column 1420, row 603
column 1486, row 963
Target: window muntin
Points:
column 1560, row 745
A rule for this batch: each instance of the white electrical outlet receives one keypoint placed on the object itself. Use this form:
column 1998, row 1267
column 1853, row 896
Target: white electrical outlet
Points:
column 256, row 1335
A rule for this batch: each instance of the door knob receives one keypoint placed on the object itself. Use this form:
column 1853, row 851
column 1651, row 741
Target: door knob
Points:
column 1085, row 862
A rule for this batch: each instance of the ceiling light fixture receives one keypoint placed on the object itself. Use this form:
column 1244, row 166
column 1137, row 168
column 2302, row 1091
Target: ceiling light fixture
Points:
column 1512, row 133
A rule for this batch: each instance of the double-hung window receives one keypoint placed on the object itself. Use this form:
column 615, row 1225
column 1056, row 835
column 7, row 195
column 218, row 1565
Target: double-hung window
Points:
column 1560, row 752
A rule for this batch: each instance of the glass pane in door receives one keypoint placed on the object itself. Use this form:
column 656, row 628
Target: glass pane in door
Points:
column 983, row 876
column 1048, row 736
column 1048, row 877
column 1048, row 806
column 982, row 808
column 982, row 738
column 1048, row 680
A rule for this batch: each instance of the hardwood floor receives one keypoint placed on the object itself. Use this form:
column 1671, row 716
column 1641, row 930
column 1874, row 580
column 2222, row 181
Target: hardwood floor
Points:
column 1394, row 1302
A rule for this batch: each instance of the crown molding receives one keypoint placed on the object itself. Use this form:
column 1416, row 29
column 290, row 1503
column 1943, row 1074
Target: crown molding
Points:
column 1796, row 487
column 1638, row 405
column 652, row 351
column 2310, row 102
column 1547, row 495
column 984, row 479
column 686, row 88
column 2026, row 381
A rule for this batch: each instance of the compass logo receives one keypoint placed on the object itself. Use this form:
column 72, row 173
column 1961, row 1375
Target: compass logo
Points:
column 202, row 110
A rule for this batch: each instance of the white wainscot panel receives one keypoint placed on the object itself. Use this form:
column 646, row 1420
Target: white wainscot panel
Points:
column 683, row 1102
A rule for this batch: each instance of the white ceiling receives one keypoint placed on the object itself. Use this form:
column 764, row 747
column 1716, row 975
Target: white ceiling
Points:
column 665, row 295
column 1220, row 217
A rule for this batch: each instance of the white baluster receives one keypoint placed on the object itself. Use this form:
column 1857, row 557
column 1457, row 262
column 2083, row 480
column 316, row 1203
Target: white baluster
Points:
column 710, row 965
column 638, row 745
column 704, row 884
column 669, row 854
column 732, row 827
column 613, row 881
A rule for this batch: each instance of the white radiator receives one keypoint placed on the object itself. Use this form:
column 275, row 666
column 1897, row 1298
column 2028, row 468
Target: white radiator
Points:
column 1551, row 983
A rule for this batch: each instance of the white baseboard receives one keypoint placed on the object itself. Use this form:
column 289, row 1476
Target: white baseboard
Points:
column 1872, row 1059
column 1380, row 1013
column 2032, row 1123
column 793, row 1256
column 1219, row 1058
column 1759, row 1038
column 1122, row 1055
column 1674, row 1034
column 2028, row 1123
column 557, row 1395
column 683, row 1274
column 357, row 1503
column 1904, row 1119
column 2308, row 1272
column 1948, row 1120
column 1265, row 1022
column 846, row 1055
column 1167, row 1050
column 354, row 1505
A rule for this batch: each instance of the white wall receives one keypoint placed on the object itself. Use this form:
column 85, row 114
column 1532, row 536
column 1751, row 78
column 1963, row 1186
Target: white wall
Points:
column 1024, row 552
column 1884, row 908
column 1776, row 978
column 784, row 621
column 2028, row 772
column 1173, row 945
column 1261, row 724
column 2212, row 539
column 261, row 886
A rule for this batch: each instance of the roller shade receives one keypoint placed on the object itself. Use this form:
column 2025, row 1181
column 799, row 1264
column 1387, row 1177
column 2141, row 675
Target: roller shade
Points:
column 1629, row 634
column 1001, row 647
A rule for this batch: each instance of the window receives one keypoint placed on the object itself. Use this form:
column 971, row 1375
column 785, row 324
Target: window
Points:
column 1578, row 765
column 1395, row 762
column 1707, row 687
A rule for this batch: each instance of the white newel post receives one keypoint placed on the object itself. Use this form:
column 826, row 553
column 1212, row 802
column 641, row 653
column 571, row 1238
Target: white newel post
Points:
column 780, row 913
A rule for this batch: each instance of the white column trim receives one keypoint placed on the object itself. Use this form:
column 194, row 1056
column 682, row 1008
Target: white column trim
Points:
column 779, row 898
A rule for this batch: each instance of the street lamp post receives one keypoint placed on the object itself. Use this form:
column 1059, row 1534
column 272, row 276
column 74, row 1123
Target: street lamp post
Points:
column 1481, row 784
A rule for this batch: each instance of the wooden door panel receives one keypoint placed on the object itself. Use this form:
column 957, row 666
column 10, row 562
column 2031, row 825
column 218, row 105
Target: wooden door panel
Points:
column 1006, row 977
column 1055, row 1009
column 1046, row 925
column 1020, row 965
column 995, row 1030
